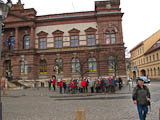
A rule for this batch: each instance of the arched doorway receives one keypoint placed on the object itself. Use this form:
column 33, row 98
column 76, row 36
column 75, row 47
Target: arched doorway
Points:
column 8, row 69
column 134, row 74
column 143, row 72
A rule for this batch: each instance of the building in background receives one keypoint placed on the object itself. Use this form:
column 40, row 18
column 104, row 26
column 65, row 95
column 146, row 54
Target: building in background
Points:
column 69, row 45
column 145, row 58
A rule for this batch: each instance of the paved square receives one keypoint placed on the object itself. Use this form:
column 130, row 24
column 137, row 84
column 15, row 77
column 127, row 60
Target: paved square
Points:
column 41, row 104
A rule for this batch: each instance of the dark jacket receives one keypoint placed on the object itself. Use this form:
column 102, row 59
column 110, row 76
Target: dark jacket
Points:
column 141, row 94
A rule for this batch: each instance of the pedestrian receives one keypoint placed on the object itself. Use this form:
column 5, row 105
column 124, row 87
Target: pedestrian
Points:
column 141, row 97
column 49, row 85
column 72, row 86
column 36, row 85
column 120, row 82
column 112, row 84
column 54, row 82
column 64, row 86
column 83, row 84
column 60, row 86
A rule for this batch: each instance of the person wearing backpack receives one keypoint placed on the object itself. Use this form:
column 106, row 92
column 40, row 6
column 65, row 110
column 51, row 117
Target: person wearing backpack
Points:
column 141, row 97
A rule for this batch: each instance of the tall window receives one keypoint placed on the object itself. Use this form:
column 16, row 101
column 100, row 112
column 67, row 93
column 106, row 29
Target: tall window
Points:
column 92, row 66
column 113, row 37
column 112, row 63
column 59, row 65
column 24, row 67
column 43, row 43
column 11, row 42
column 91, row 39
column 110, row 37
column 43, row 66
column 157, row 57
column 75, row 65
column 153, row 58
column 74, row 41
column 158, row 71
column 107, row 38
column 26, row 42
column 58, row 42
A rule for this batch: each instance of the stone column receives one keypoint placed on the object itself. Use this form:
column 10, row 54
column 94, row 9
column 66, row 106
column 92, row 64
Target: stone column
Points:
column 32, row 37
column 16, row 36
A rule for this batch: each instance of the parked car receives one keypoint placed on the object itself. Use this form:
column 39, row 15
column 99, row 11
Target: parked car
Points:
column 145, row 79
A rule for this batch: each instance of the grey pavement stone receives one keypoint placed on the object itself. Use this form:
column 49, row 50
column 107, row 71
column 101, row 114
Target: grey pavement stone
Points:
column 49, row 105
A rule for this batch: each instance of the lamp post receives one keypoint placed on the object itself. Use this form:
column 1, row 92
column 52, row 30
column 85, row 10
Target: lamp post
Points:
column 23, row 70
column 3, row 14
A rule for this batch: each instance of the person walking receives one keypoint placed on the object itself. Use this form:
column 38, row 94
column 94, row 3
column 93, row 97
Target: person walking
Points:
column 49, row 85
column 141, row 97
column 60, row 86
column 120, row 82
column 64, row 86
column 54, row 82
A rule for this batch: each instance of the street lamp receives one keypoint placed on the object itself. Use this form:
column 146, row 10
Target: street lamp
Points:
column 4, row 8
column 23, row 69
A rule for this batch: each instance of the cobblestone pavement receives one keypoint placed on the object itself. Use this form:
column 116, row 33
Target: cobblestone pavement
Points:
column 41, row 104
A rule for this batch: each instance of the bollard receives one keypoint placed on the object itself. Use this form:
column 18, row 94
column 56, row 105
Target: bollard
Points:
column 80, row 114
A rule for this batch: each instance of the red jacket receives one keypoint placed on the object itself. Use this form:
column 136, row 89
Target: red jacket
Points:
column 72, row 84
column 109, row 81
column 83, row 84
column 60, row 84
column 54, row 81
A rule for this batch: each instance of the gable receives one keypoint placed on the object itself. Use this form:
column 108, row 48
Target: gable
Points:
column 57, row 32
column 74, row 31
column 42, row 33
column 90, row 29
column 14, row 18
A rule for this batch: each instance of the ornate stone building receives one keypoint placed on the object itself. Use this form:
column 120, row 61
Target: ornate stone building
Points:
column 145, row 58
column 69, row 45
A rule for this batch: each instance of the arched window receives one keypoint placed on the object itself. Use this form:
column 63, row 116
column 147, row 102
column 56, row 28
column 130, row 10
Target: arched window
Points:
column 43, row 66
column 92, row 66
column 110, row 37
column 107, row 37
column 148, row 72
column 59, row 65
column 151, row 72
column 155, row 72
column 158, row 71
column 113, row 37
column 75, row 65
column 112, row 66
column 26, row 42
column 24, row 67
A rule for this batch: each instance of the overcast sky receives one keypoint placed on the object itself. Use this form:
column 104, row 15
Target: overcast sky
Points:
column 141, row 17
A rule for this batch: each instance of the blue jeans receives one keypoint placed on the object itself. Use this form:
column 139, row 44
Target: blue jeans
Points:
column 142, row 111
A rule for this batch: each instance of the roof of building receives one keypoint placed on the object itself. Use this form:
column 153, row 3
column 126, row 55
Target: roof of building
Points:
column 155, row 47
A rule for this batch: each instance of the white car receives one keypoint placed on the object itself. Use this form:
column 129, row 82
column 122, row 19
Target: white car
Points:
column 145, row 79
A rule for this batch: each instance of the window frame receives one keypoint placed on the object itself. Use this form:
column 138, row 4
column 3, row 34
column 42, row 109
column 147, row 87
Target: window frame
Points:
column 75, row 63
column 26, row 41
column 43, row 66
column 40, row 43
column 92, row 64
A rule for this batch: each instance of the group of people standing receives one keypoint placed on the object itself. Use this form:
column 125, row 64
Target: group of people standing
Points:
column 86, row 85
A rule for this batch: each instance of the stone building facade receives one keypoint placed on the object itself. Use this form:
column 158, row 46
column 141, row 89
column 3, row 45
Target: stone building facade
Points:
column 145, row 58
column 69, row 45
